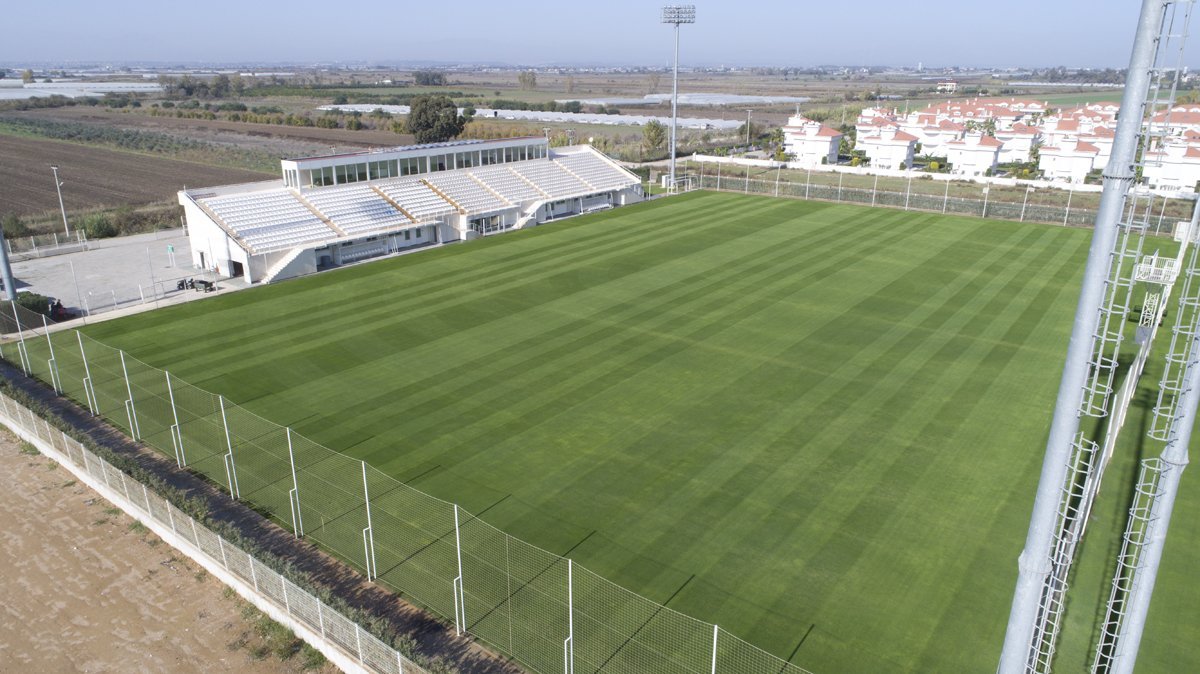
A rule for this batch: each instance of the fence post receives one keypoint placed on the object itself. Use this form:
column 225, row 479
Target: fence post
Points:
column 808, row 183
column 320, row 618
column 746, row 190
column 840, row 176
column 1067, row 215
column 176, row 431
column 225, row 560
column 778, row 170
column 946, row 198
column 569, row 643
column 146, row 496
column 55, row 382
column 986, row 191
column 369, row 533
column 286, row 604
column 908, row 191
column 230, row 466
column 294, row 494
column 460, row 608
column 130, row 408
column 718, row 175
column 21, row 337
column 253, row 574
column 358, row 642
column 875, row 189
column 714, row 658
column 399, row 662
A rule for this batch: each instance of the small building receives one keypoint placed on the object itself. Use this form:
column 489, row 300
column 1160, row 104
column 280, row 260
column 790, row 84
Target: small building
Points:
column 1176, row 166
column 1070, row 162
column 947, row 87
column 1018, row 142
column 810, row 143
column 888, row 147
column 975, row 154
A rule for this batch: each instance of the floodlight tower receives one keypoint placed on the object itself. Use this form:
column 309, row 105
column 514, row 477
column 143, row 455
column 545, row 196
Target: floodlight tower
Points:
column 1074, row 463
column 676, row 15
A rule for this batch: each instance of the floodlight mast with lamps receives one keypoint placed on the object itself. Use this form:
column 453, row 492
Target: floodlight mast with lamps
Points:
column 676, row 15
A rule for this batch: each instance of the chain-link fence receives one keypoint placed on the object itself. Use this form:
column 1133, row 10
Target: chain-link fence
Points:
column 541, row 609
column 44, row 245
column 198, row 541
column 980, row 207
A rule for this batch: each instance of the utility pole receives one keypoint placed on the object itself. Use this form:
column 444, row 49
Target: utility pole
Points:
column 58, row 186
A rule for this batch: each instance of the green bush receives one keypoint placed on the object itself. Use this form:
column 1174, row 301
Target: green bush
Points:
column 98, row 226
column 34, row 302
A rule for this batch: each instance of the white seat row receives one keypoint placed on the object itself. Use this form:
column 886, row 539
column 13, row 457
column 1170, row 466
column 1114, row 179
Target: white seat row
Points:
column 502, row 179
column 416, row 198
column 468, row 193
column 357, row 209
column 551, row 179
column 595, row 171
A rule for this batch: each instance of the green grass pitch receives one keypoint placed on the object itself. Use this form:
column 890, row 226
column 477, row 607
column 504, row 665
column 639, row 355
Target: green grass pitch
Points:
column 818, row 426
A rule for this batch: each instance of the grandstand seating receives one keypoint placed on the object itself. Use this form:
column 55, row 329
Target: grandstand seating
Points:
column 467, row 192
column 415, row 197
column 356, row 209
column 594, row 171
column 270, row 220
column 502, row 179
column 551, row 178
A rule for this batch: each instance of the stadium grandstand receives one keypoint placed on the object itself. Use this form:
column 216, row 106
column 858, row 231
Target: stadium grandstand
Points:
column 332, row 210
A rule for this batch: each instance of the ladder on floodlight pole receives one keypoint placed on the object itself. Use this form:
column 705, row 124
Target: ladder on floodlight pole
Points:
column 1067, row 483
column 1158, row 483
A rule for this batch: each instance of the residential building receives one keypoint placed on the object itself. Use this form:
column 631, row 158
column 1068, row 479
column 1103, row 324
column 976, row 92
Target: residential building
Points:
column 811, row 143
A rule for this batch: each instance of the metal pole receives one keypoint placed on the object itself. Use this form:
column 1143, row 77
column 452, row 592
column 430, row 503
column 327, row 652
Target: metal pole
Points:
column 1175, row 458
column 570, row 617
column 716, row 631
column 674, row 107
column 946, row 198
column 294, row 496
column 908, row 191
column 746, row 189
column 58, row 186
column 230, row 466
column 986, row 191
column 748, row 111
column 1071, row 193
column 369, row 533
column 54, row 379
column 130, row 408
column 778, row 170
column 176, row 431
column 89, row 391
column 78, row 295
column 875, row 189
column 460, row 609
column 1034, row 561
column 10, row 285
column 1025, row 202
column 808, row 183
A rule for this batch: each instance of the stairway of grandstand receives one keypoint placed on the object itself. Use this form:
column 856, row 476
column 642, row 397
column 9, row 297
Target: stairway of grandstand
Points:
column 277, row 219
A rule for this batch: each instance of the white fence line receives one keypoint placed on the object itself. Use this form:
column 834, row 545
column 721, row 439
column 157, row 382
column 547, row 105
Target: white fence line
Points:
column 339, row 639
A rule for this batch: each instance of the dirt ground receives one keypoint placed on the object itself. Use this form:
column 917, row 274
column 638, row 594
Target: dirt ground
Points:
column 96, row 177
column 84, row 591
column 286, row 141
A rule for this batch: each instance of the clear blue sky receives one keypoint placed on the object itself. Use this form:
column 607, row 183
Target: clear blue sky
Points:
column 621, row 32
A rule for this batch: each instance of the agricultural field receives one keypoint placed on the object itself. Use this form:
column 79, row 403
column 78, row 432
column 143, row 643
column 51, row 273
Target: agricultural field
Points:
column 819, row 426
column 96, row 176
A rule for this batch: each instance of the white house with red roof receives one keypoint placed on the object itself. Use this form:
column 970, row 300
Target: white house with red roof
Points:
column 1069, row 162
column 1180, row 119
column 1102, row 137
column 973, row 155
column 810, row 143
column 887, row 147
column 932, row 133
column 1176, row 166
column 1018, row 142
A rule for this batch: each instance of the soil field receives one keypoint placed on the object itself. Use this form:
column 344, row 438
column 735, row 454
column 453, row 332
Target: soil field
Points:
column 86, row 590
column 97, row 177
column 310, row 139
